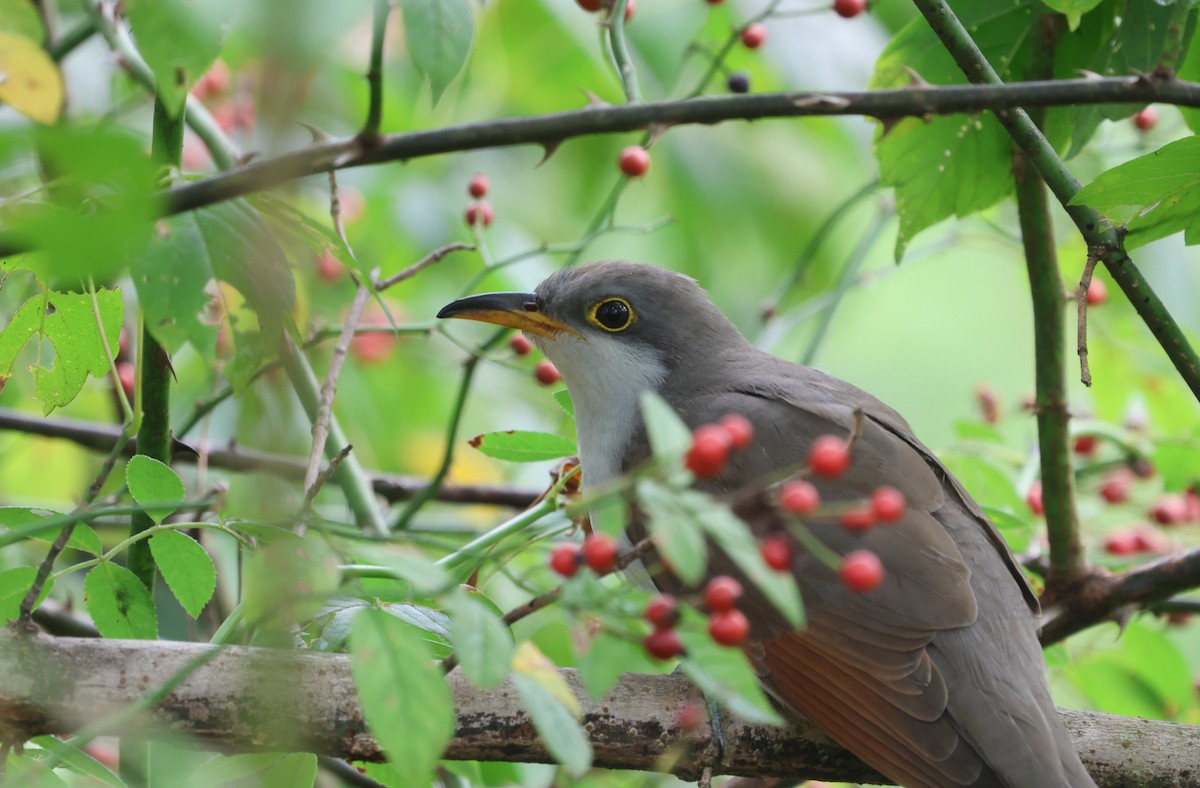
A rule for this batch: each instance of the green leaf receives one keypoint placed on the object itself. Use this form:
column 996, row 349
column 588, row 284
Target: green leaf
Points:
column 438, row 34
column 79, row 761
column 179, row 40
column 948, row 166
column 722, row 673
column 68, row 322
column 153, row 483
column 269, row 769
column 172, row 277
column 563, row 398
column 21, row 18
column 735, row 540
column 673, row 517
column 608, row 656
column 482, row 642
column 14, row 585
column 523, row 446
column 669, row 437
column 1073, row 10
column 1163, row 187
column 404, row 698
column 986, row 481
column 83, row 536
column 557, row 726
column 1179, row 463
column 120, row 605
column 186, row 567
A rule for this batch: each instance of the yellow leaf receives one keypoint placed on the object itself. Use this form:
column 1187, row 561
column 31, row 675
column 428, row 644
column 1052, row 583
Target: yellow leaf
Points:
column 30, row 81
column 530, row 661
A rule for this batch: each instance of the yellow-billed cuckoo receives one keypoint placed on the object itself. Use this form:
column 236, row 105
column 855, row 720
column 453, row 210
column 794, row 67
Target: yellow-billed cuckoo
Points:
column 936, row 678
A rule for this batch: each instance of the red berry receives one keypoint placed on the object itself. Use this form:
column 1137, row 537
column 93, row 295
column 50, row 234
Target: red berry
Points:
column 1034, row 498
column 1116, row 485
column 729, row 627
column 565, row 559
column 829, row 456
column 127, row 377
column 590, row 5
column 858, row 519
column 710, row 449
column 887, row 504
column 546, row 373
column 1085, row 445
column 662, row 611
column 478, row 187
column 1142, row 467
column 1192, row 501
column 861, row 571
column 1171, row 509
column 722, row 593
column 329, row 268
column 629, row 9
column 520, row 345
column 715, row 2
column 740, row 430
column 479, row 212
column 799, row 497
column 600, row 551
column 1122, row 543
column 849, row 8
column 777, row 552
column 1150, row 540
column 754, row 35
column 690, row 717
column 1146, row 119
column 663, row 644
column 1097, row 292
column 214, row 82
column 634, row 161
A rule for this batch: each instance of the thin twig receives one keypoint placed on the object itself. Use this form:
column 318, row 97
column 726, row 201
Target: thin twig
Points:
column 311, row 491
column 1081, row 312
column 379, row 19
column 423, row 263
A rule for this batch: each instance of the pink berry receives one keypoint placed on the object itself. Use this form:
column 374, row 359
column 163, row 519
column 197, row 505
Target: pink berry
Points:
column 709, row 451
column 849, row 8
column 858, row 519
column 478, row 187
column 1122, row 543
column 887, row 503
column 634, row 161
column 1034, row 498
column 722, row 593
column 754, row 35
column 740, row 430
column 479, row 212
column 1085, row 445
column 546, row 373
column 799, row 497
column 829, row 456
column 1097, row 293
column 777, row 552
column 861, row 571
column 1146, row 119
column 1116, row 485
column 520, row 345
column 1171, row 509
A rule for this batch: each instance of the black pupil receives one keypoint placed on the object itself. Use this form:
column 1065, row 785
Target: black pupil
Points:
column 613, row 314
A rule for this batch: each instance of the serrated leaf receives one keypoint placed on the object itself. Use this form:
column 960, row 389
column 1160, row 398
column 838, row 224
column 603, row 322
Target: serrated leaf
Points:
column 153, row 483
column 673, row 521
column 735, row 540
column 722, row 673
column 68, row 322
column 563, row 398
column 32, row 83
column 83, row 536
column 949, row 166
column 186, row 567
column 179, row 40
column 557, row 726
column 119, row 604
column 482, row 643
column 14, row 585
column 669, row 437
column 404, row 698
column 1163, row 187
column 438, row 34
column 523, row 446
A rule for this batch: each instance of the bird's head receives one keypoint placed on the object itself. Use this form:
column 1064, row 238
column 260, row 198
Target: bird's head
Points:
column 611, row 323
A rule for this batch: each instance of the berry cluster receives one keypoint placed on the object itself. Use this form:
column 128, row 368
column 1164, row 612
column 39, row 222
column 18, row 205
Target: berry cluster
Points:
column 232, row 107
column 712, row 443
column 663, row 614
column 479, row 211
column 599, row 551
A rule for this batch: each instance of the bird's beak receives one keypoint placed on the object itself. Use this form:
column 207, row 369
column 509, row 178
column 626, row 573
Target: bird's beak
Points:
column 514, row 310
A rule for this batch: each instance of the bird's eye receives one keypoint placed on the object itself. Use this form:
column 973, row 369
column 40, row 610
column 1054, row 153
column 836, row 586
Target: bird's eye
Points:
column 612, row 314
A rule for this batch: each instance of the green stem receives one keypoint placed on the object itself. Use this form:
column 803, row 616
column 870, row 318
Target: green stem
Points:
column 476, row 548
column 620, row 52
column 66, row 43
column 1102, row 238
column 355, row 483
column 10, row 537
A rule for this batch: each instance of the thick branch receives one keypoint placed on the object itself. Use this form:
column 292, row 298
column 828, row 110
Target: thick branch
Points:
column 390, row 487
column 556, row 127
column 1099, row 596
column 257, row 699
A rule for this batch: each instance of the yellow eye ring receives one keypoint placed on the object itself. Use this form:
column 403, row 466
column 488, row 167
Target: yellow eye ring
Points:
column 612, row 314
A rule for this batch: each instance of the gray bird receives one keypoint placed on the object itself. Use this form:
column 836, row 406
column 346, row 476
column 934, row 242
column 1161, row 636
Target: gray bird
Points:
column 935, row 678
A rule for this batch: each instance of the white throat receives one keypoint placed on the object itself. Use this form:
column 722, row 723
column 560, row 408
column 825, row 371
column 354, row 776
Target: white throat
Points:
column 606, row 378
